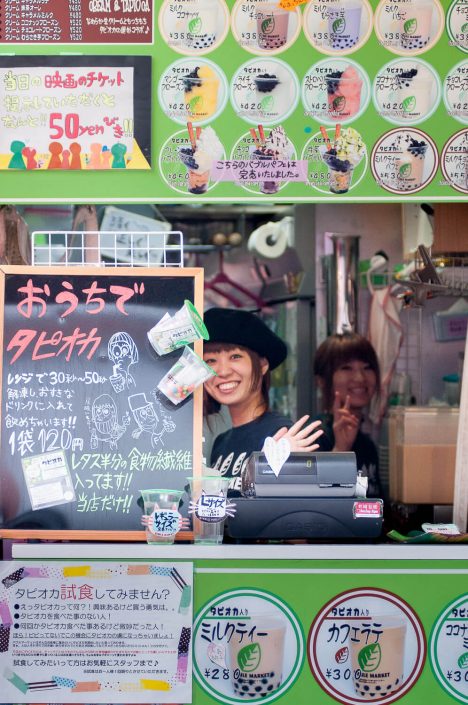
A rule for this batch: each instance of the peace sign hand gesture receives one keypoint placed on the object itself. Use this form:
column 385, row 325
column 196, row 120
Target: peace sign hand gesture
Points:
column 345, row 424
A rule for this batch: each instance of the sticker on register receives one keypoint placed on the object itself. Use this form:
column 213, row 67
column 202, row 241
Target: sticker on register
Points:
column 368, row 509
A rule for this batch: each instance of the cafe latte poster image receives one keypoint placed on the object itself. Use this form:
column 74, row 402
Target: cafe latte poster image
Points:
column 366, row 645
column 75, row 113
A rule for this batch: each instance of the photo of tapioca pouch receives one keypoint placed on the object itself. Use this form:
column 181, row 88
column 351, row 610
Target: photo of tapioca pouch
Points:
column 377, row 647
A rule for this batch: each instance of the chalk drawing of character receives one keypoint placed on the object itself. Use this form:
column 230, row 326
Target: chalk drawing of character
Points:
column 123, row 352
column 149, row 420
column 104, row 423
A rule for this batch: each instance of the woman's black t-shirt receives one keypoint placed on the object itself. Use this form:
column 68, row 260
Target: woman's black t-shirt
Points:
column 232, row 448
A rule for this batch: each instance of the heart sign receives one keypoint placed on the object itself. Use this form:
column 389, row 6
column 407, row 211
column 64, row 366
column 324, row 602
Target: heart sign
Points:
column 276, row 453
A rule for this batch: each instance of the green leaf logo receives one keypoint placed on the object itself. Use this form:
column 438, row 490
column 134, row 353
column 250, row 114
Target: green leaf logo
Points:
column 410, row 26
column 404, row 171
column 339, row 104
column 268, row 25
column 464, row 27
column 409, row 104
column 369, row 657
column 195, row 104
column 266, row 104
column 249, row 658
column 339, row 25
column 463, row 660
column 195, row 25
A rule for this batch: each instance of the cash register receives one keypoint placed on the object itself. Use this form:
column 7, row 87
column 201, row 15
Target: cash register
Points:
column 314, row 496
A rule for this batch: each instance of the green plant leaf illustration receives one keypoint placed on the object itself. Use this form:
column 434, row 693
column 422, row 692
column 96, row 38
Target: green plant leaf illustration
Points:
column 339, row 25
column 404, row 171
column 369, row 657
column 339, row 103
column 463, row 660
column 409, row 104
column 249, row 657
column 266, row 104
column 195, row 25
column 410, row 26
column 268, row 25
column 464, row 27
column 195, row 104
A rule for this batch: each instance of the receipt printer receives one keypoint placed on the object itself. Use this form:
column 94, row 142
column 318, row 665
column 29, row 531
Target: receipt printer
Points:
column 315, row 495
column 302, row 475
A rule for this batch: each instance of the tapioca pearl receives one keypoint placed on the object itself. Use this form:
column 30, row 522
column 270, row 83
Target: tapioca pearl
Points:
column 245, row 688
column 366, row 688
column 270, row 687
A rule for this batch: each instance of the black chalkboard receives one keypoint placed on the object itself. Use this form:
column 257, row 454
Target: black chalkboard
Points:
column 83, row 425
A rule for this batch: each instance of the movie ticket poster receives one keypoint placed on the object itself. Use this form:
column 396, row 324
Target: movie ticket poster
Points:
column 74, row 113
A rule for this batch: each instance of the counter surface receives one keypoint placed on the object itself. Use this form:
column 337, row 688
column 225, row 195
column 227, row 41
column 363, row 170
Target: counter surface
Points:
column 256, row 552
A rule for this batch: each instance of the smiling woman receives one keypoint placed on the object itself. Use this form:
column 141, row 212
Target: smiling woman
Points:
column 242, row 350
column 348, row 375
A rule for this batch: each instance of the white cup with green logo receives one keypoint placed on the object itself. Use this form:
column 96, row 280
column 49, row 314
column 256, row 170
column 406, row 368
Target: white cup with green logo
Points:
column 415, row 25
column 377, row 647
column 413, row 98
column 201, row 22
column 256, row 653
column 173, row 332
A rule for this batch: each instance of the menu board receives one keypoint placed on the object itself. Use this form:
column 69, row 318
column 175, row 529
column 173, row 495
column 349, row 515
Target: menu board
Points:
column 73, row 113
column 84, row 427
column 63, row 21
column 343, row 100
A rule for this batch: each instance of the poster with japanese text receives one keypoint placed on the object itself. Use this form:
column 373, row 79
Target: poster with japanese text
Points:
column 71, row 113
column 84, row 426
column 105, row 632
column 63, row 21
column 313, row 101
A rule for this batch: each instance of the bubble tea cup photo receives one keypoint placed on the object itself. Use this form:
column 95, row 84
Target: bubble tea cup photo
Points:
column 272, row 26
column 256, row 654
column 377, row 647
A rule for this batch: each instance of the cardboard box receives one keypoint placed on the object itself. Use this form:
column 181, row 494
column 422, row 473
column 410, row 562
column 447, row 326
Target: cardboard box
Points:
column 422, row 450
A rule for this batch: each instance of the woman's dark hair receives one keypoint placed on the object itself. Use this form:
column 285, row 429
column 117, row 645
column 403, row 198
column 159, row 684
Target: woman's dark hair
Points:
column 211, row 406
column 337, row 350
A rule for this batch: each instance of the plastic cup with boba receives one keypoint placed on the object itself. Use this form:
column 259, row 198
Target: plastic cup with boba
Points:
column 343, row 96
column 173, row 332
column 188, row 373
column 201, row 19
column 256, row 662
column 377, row 649
column 340, row 171
column 415, row 25
column 272, row 26
column 344, row 24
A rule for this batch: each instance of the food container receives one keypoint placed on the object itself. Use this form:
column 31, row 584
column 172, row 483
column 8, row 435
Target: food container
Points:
column 422, row 447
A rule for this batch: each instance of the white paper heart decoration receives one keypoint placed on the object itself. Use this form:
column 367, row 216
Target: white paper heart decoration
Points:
column 276, row 453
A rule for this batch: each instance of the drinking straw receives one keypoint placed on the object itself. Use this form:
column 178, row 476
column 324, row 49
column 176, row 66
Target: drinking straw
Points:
column 191, row 135
column 337, row 131
column 325, row 137
column 261, row 132
column 255, row 138
column 198, row 132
